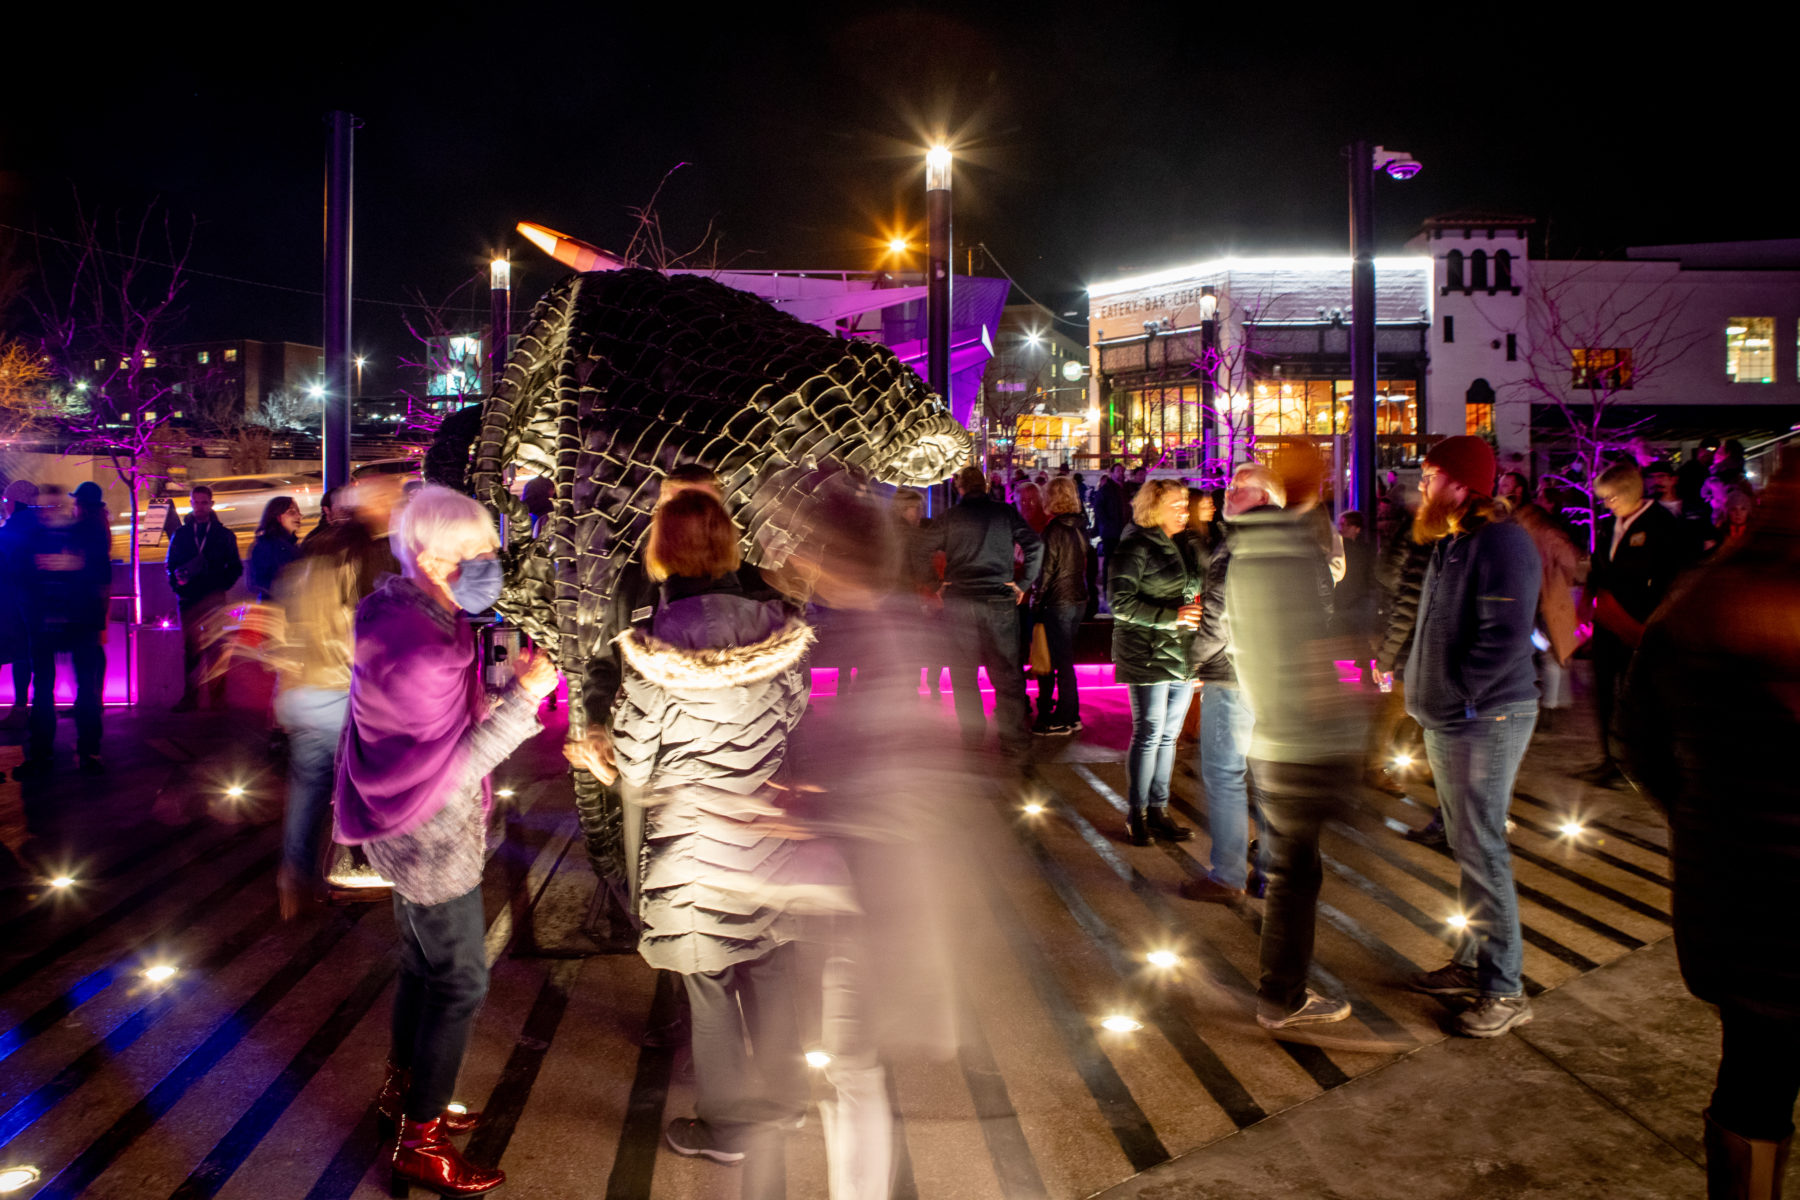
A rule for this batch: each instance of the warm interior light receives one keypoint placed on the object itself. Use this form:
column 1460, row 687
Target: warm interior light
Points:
column 62, row 881
column 1120, row 1023
column 818, row 1059
column 160, row 973
column 1458, row 921
column 1571, row 828
column 14, row 1178
column 1163, row 958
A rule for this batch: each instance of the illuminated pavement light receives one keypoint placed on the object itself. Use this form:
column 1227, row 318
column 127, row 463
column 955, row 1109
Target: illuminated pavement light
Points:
column 458, row 1109
column 160, row 973
column 1457, row 921
column 1403, row 760
column 62, row 881
column 14, row 1178
column 1033, row 809
column 505, row 793
column 235, row 791
column 1120, row 1023
column 1571, row 828
column 818, row 1059
column 1163, row 958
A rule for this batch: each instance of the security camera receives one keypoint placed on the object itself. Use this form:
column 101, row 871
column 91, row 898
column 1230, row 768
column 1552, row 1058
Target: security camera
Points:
column 1397, row 163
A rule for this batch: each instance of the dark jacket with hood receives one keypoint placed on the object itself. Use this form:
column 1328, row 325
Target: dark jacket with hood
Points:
column 206, row 557
column 1149, row 579
column 1471, row 651
column 709, row 697
column 1063, row 582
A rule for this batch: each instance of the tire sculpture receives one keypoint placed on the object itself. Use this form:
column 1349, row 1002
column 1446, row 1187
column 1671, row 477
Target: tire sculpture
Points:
column 622, row 375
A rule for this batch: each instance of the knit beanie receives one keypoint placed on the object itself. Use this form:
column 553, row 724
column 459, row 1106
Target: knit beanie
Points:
column 1466, row 460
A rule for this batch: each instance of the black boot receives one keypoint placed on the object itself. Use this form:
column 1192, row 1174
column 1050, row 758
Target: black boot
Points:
column 1163, row 828
column 1741, row 1168
column 1136, row 832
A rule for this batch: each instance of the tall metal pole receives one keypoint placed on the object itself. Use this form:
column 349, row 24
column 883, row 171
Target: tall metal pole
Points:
column 937, row 270
column 500, row 310
column 339, row 192
column 1362, row 332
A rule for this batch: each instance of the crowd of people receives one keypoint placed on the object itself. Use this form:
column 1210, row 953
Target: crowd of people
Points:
column 784, row 856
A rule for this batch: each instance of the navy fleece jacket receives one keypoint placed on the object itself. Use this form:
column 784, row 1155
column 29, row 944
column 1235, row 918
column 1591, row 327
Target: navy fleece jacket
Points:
column 1471, row 651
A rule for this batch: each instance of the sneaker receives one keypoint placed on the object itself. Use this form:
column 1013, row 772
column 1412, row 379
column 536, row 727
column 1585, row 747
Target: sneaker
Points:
column 1073, row 726
column 1047, row 728
column 1314, row 1010
column 1492, row 1016
column 1429, row 834
column 691, row 1136
column 1451, row 979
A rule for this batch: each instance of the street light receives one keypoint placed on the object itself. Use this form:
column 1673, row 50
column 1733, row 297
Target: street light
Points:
column 360, row 360
column 898, row 246
column 1364, row 162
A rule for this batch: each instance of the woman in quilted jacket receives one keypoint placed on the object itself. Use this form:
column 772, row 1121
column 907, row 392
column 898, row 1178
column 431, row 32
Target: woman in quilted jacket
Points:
column 710, row 695
column 1152, row 586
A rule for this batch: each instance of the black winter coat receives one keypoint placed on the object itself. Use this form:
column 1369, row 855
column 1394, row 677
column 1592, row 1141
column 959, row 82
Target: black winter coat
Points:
column 203, row 564
column 1208, row 651
column 1148, row 581
column 1710, row 722
column 1063, row 581
column 1402, row 578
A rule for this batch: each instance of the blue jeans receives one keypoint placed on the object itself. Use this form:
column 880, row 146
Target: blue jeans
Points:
column 1060, row 623
column 313, row 719
column 1157, row 710
column 1226, row 723
column 1475, row 764
column 443, row 977
column 983, row 631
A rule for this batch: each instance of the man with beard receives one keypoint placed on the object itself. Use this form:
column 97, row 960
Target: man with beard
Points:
column 1472, row 686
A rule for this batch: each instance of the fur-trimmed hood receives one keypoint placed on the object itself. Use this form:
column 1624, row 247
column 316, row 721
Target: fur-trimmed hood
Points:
column 712, row 669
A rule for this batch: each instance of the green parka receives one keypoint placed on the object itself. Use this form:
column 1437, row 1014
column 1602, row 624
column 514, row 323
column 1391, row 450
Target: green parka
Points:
column 1147, row 582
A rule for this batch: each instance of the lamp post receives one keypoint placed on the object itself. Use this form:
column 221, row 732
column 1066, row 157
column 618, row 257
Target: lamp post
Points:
column 500, row 310
column 339, row 198
column 1364, row 162
column 1209, row 355
column 937, row 270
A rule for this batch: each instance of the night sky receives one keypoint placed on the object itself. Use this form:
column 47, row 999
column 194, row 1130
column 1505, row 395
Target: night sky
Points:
column 1092, row 140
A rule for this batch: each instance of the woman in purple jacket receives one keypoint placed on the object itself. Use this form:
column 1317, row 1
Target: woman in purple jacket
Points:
column 413, row 791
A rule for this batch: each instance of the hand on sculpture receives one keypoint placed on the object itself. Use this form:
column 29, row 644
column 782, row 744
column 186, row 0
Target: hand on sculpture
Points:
column 594, row 755
column 536, row 673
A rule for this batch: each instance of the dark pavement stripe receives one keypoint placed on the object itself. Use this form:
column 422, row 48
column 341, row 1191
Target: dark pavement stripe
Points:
column 355, row 1154
column 1311, row 1059
column 122, row 1036
column 1593, row 852
column 236, row 1146
column 1448, row 889
column 203, row 852
column 1136, row 1137
column 138, row 1120
column 1014, row 1165
column 98, row 981
column 21, row 912
column 1630, row 839
column 634, row 1164
column 500, row 1115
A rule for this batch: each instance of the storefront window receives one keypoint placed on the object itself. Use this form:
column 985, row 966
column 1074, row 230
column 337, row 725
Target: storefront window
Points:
column 1321, row 407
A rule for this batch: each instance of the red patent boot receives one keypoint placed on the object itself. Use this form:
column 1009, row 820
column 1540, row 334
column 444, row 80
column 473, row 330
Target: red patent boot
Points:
column 392, row 1100
column 425, row 1155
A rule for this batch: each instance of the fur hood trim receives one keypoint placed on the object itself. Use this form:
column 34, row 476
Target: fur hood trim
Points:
column 713, row 670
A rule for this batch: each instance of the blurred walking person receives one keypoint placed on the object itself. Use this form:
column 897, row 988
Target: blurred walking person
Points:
column 20, row 510
column 1554, row 638
column 1226, row 720
column 413, row 791
column 202, row 563
column 1710, row 722
column 978, row 537
column 711, row 692
column 1472, row 685
column 71, row 590
column 1307, row 728
column 1061, row 602
column 1152, row 586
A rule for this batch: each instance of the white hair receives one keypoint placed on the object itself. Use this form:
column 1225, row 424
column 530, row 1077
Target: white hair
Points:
column 438, row 520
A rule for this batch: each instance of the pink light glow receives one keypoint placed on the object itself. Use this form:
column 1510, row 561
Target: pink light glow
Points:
column 1088, row 676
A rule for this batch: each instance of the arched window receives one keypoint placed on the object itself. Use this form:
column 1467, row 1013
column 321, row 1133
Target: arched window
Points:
column 1503, row 270
column 1478, row 269
column 1453, row 269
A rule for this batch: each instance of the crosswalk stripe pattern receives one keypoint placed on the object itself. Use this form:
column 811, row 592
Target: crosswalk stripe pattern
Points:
column 251, row 1071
